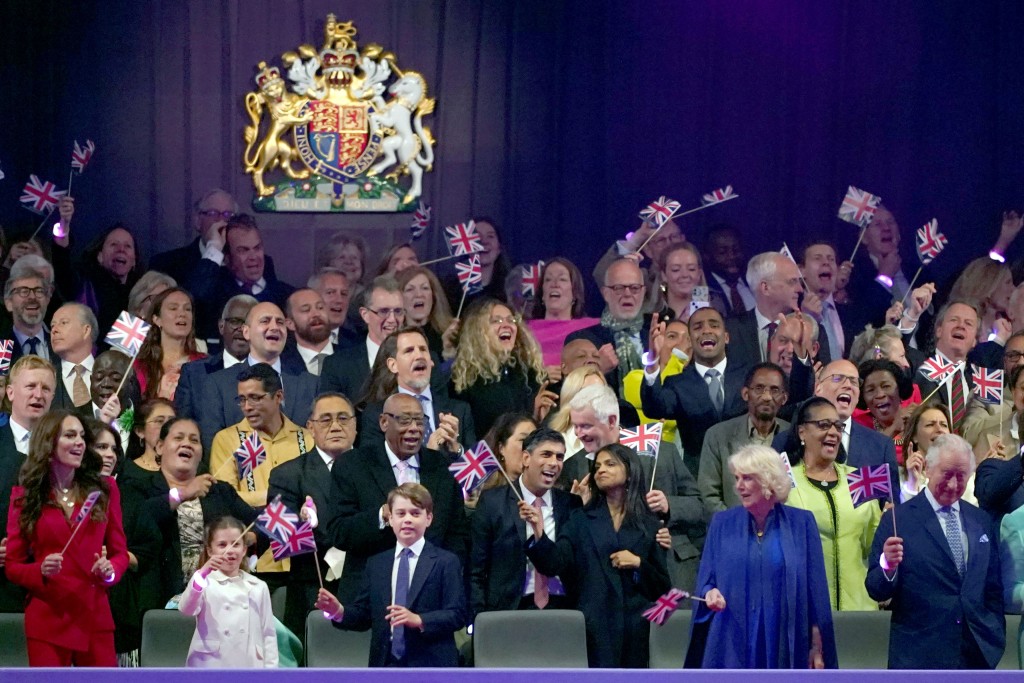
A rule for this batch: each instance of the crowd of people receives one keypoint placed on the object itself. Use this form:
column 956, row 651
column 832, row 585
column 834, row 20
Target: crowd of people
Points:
column 776, row 380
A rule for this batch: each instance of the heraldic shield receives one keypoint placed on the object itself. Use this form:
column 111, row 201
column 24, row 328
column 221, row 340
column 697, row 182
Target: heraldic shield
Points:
column 349, row 149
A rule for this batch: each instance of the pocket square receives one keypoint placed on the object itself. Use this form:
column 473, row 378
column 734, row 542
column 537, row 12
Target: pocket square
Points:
column 983, row 539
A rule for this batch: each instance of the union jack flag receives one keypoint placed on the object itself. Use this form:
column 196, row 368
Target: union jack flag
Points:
column 250, row 455
column 40, row 196
column 937, row 368
column 930, row 242
column 463, row 239
column 471, row 275
column 788, row 468
column 786, row 252
column 128, row 333
column 659, row 211
column 298, row 542
column 859, row 206
column 645, row 439
column 81, row 156
column 277, row 521
column 665, row 606
column 869, row 483
column 988, row 384
column 531, row 278
column 87, row 505
column 420, row 221
column 719, row 196
column 6, row 350
column 473, row 466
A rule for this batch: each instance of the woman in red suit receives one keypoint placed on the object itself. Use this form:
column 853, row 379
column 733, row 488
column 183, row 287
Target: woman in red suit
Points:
column 67, row 618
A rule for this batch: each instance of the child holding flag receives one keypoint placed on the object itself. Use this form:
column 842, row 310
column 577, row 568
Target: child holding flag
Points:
column 234, row 619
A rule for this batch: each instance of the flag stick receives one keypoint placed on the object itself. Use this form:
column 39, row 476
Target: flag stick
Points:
column 892, row 499
column 911, row 287
column 229, row 460
column 694, row 597
column 654, row 470
column 45, row 218
column 514, row 489
column 802, row 280
column 680, row 215
column 316, row 561
column 71, row 175
column 127, row 372
column 73, row 532
column 244, row 532
column 444, row 258
column 859, row 240
column 465, row 291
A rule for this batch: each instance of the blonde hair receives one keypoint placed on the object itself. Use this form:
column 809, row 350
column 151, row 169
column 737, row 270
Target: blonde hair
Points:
column 481, row 358
column 765, row 464
column 30, row 362
column 865, row 344
column 571, row 385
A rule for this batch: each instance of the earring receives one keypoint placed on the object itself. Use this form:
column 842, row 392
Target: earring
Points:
column 801, row 442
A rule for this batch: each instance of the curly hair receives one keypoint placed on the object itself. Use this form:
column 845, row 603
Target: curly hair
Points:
column 151, row 356
column 440, row 311
column 36, row 479
column 481, row 358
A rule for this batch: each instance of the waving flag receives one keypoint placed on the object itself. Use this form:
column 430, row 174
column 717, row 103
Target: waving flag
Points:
column 420, row 221
column 473, row 466
column 936, row 368
column 869, row 483
column 988, row 384
column 40, row 196
column 81, row 156
column 470, row 273
column 250, row 455
column 6, row 351
column 531, row 278
column 859, row 206
column 128, row 333
column 665, row 606
column 87, row 505
column 277, row 521
column 463, row 239
column 719, row 196
column 788, row 469
column 659, row 211
column 930, row 242
column 645, row 439
column 298, row 542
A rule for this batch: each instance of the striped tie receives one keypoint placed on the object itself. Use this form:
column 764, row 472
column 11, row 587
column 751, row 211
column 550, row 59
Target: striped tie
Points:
column 957, row 404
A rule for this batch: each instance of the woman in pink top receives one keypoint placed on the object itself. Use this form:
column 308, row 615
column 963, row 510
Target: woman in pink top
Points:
column 558, row 311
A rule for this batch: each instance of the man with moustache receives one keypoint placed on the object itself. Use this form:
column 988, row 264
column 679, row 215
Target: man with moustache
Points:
column 334, row 288
column 26, row 295
column 73, row 334
column 307, row 319
column 363, row 478
column 501, row 578
column 30, row 388
column 308, row 478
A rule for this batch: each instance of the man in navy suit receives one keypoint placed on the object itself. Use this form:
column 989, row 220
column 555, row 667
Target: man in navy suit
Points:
column 266, row 332
column 209, row 216
column 194, row 375
column 501, row 578
column 942, row 571
column 412, row 594
column 706, row 392
column 26, row 296
column 862, row 447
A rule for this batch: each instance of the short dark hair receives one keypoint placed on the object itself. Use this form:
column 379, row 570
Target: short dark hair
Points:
column 330, row 394
column 268, row 377
column 542, row 435
column 904, row 384
column 767, row 365
column 815, row 242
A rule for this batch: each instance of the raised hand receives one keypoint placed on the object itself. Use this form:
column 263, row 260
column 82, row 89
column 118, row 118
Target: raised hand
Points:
column 543, row 402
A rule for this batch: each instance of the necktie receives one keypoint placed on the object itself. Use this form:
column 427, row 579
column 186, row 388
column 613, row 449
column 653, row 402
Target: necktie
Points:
column 956, row 543
column 428, row 413
column 772, row 326
column 957, row 404
column 401, row 598
column 79, row 390
column 714, row 379
column 318, row 363
column 403, row 471
column 30, row 346
column 836, row 339
column 540, row 582
column 735, row 300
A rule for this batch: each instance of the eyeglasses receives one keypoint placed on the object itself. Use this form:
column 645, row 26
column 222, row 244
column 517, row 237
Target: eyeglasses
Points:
column 825, row 425
column 505, row 319
column 839, row 379
column 1013, row 356
column 327, row 420
column 157, row 420
column 24, row 292
column 234, row 322
column 386, row 313
column 407, row 420
column 214, row 213
column 252, row 398
column 622, row 289
column 759, row 389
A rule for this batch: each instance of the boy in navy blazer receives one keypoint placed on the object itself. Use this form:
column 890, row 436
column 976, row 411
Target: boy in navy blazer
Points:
column 412, row 595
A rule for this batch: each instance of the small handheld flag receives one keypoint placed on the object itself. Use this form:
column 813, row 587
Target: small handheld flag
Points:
column 719, row 196
column 81, row 156
column 40, row 196
column 470, row 274
column 659, row 211
column 277, row 521
column 930, row 242
column 250, row 455
column 299, row 541
column 6, row 352
column 988, row 384
column 128, row 333
column 531, row 279
column 420, row 221
column 87, row 505
column 665, row 606
column 788, row 469
column 858, row 206
column 473, row 466
column 936, row 369
column 869, row 483
column 645, row 439
column 463, row 239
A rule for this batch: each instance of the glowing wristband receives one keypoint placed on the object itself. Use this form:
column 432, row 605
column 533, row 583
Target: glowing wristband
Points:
column 109, row 578
column 996, row 256
column 199, row 581
column 175, row 496
column 648, row 358
column 883, row 564
column 58, row 230
column 885, row 280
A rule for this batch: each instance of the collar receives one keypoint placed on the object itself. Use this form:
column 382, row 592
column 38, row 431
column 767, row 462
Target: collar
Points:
column 229, row 360
column 423, row 395
column 416, row 548
column 86, row 363
column 287, row 427
column 702, row 369
column 21, row 337
column 328, row 460
column 309, row 354
column 762, row 321
column 935, row 504
column 276, row 364
column 222, row 578
column 413, row 460
column 260, row 284
column 752, row 430
column 18, row 431
column 528, row 496
column 371, row 350
column 1015, row 427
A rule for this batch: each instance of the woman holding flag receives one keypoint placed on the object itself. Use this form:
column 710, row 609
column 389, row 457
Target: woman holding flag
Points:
column 66, row 546
column 846, row 527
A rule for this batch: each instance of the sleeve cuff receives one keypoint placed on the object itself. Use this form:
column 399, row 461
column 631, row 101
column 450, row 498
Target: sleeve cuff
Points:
column 214, row 254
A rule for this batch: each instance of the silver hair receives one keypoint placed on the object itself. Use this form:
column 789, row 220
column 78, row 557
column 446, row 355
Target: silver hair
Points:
column 314, row 280
column 246, row 299
column 385, row 283
column 600, row 398
column 86, row 317
column 765, row 464
column 948, row 443
column 762, row 267
column 198, row 206
column 26, row 273
column 149, row 280
column 32, row 262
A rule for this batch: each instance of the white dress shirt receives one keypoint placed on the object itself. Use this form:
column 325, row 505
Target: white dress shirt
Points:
column 417, row 550
column 371, row 350
column 21, row 436
column 762, row 333
column 309, row 357
column 67, row 373
column 229, row 360
column 328, row 460
column 936, row 506
column 412, row 474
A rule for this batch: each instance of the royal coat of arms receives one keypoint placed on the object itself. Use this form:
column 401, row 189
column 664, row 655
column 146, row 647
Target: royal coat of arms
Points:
column 330, row 131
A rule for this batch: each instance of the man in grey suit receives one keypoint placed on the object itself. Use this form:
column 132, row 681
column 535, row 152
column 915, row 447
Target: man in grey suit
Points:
column 764, row 390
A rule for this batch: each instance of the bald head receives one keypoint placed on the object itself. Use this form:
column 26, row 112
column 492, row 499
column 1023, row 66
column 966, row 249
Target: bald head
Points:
column 402, row 424
column 577, row 353
column 624, row 289
column 840, row 383
column 265, row 330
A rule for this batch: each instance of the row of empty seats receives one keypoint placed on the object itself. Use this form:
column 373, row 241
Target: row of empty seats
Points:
column 553, row 639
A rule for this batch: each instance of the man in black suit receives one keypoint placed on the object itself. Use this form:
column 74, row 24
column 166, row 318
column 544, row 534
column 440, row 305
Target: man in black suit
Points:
column 501, row 578
column 333, row 424
column 310, row 343
column 193, row 382
column 407, row 360
column 209, row 216
column 26, row 296
column 245, row 271
column 723, row 261
column 266, row 333
column 30, row 390
column 363, row 478
column 706, row 392
column 775, row 281
column 877, row 278
column 73, row 334
column 621, row 336
column 821, row 273
column 942, row 572
column 383, row 312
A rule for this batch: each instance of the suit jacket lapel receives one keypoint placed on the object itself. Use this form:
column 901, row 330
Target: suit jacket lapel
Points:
column 602, row 535
column 424, row 565
column 381, row 472
column 316, row 477
column 930, row 522
column 976, row 550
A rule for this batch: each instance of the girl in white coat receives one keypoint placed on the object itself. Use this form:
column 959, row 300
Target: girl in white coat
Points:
column 234, row 622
